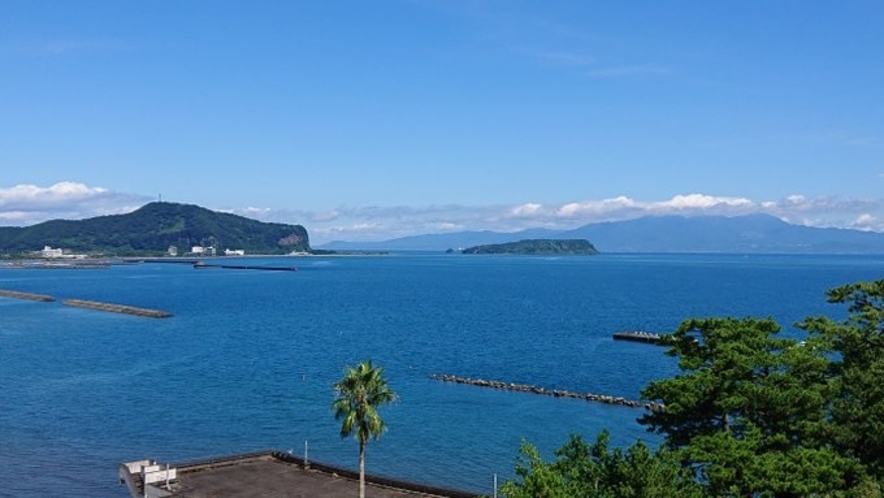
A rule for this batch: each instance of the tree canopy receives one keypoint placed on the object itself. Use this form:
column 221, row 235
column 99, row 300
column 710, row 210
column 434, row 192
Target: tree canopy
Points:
column 596, row 470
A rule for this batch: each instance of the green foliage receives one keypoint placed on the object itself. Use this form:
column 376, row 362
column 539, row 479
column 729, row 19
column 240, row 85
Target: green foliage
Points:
column 746, row 465
column 536, row 246
column 359, row 394
column 598, row 471
column 857, row 369
column 739, row 376
column 151, row 229
column 750, row 411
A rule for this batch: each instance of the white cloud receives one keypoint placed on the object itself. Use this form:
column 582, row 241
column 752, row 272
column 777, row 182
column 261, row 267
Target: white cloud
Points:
column 865, row 218
column 14, row 217
column 30, row 204
column 351, row 229
column 449, row 227
column 600, row 207
column 865, row 221
column 257, row 212
column 61, row 192
column 623, row 207
column 700, row 201
column 325, row 216
column 527, row 209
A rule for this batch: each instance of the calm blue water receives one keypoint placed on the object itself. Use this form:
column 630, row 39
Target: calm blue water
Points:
column 248, row 360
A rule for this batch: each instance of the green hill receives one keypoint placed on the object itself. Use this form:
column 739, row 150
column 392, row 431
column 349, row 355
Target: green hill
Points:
column 151, row 229
column 536, row 246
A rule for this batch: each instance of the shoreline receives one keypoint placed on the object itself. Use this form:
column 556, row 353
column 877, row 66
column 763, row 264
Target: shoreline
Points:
column 103, row 263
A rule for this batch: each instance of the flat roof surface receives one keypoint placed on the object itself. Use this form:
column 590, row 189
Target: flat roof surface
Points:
column 273, row 478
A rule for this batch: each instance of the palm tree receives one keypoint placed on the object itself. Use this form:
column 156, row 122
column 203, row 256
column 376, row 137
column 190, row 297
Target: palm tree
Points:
column 357, row 397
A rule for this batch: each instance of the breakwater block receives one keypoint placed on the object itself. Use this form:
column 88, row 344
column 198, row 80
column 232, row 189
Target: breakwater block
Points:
column 202, row 266
column 638, row 336
column 117, row 308
column 558, row 393
column 26, row 295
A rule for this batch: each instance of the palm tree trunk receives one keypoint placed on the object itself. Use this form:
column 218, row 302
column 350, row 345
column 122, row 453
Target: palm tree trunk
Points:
column 362, row 469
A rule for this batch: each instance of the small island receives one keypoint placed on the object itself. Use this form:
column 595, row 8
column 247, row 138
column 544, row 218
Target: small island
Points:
column 577, row 247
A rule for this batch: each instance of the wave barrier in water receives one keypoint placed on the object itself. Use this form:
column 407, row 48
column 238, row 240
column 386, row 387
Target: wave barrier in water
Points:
column 559, row 393
column 26, row 295
column 117, row 308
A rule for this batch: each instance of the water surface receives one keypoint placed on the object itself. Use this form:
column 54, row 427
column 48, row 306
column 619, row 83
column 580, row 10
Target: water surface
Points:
column 249, row 357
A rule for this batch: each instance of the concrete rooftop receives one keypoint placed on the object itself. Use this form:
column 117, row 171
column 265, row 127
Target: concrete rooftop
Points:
column 275, row 475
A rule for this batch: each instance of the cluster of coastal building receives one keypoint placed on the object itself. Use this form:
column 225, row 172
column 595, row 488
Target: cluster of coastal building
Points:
column 206, row 251
column 57, row 253
column 49, row 252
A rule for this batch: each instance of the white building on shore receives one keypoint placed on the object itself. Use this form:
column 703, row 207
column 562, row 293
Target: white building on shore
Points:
column 58, row 253
column 204, row 251
column 50, row 253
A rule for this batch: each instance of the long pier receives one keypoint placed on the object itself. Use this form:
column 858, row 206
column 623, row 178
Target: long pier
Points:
column 526, row 388
column 26, row 295
column 117, row 308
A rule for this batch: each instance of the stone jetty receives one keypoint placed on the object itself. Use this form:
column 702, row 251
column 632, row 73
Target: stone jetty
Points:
column 638, row 336
column 201, row 265
column 117, row 308
column 526, row 388
column 26, row 295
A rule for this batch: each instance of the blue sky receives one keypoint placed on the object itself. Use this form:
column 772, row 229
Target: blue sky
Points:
column 371, row 120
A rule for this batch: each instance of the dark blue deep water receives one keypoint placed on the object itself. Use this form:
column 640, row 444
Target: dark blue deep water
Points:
column 249, row 357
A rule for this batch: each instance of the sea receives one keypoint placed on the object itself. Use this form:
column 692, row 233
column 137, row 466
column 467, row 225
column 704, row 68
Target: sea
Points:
column 249, row 357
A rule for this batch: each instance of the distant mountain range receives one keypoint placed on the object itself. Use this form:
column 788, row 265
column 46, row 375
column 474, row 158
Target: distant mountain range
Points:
column 154, row 227
column 756, row 233
column 151, row 229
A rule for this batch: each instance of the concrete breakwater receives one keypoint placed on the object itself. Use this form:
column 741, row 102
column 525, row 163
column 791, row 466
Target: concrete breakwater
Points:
column 200, row 265
column 526, row 388
column 26, row 295
column 638, row 336
column 95, row 305
column 74, row 264
column 117, row 308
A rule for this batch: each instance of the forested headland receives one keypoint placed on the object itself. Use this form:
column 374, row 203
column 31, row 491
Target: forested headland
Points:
column 152, row 229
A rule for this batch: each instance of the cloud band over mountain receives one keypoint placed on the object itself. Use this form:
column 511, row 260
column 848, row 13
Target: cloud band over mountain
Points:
column 23, row 205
